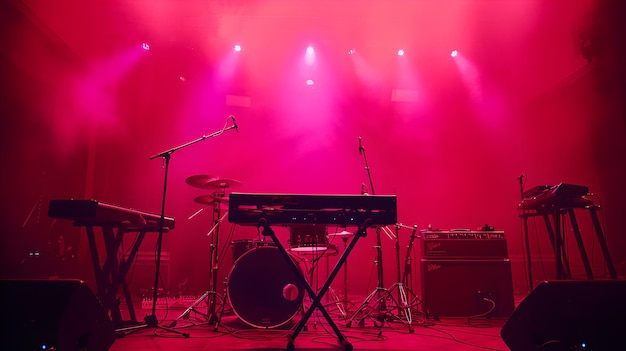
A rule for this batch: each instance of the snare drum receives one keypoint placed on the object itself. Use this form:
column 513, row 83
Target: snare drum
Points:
column 307, row 238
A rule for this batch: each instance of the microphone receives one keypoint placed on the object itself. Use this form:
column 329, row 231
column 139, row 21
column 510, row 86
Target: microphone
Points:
column 360, row 147
column 521, row 177
column 234, row 123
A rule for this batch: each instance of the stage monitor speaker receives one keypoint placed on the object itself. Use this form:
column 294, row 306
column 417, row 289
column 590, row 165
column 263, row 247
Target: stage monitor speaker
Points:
column 569, row 315
column 466, row 288
column 53, row 315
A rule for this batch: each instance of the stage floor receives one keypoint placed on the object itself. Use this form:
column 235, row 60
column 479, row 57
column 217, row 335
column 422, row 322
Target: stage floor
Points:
column 232, row 333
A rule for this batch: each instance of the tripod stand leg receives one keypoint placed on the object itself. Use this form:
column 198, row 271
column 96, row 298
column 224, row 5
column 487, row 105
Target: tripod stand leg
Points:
column 405, row 306
column 340, row 306
column 185, row 314
column 219, row 318
column 150, row 322
column 364, row 305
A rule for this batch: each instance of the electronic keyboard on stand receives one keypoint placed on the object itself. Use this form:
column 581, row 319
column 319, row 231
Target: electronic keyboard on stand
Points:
column 267, row 210
column 552, row 202
column 114, row 222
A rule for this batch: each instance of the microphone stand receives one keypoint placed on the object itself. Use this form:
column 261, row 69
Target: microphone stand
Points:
column 380, row 291
column 151, row 320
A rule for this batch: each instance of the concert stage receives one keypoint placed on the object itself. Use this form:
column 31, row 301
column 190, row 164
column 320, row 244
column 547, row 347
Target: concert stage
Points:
column 457, row 334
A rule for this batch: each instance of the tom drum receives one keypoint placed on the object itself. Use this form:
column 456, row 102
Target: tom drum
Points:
column 239, row 247
column 308, row 238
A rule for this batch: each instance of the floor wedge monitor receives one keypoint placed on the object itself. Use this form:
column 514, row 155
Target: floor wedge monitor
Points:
column 53, row 315
column 569, row 315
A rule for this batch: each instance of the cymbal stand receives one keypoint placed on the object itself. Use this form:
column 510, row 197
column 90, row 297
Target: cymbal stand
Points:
column 343, row 309
column 211, row 294
column 214, row 257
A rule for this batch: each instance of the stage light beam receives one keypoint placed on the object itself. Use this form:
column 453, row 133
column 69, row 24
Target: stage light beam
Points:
column 309, row 56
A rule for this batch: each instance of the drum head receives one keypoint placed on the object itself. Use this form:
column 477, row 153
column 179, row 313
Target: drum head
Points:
column 263, row 289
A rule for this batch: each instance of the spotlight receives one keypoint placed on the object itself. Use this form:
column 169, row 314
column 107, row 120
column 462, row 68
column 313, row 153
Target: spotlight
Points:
column 310, row 82
column 454, row 53
column 309, row 57
column 351, row 52
column 400, row 52
column 237, row 48
column 145, row 46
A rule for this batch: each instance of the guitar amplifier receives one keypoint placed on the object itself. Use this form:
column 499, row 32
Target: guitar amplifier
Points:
column 464, row 245
column 465, row 288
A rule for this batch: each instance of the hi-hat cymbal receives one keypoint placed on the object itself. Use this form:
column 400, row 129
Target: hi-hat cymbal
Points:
column 210, row 199
column 221, row 183
column 342, row 233
column 199, row 180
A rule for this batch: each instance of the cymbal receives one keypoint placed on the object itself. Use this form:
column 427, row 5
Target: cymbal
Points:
column 199, row 180
column 221, row 183
column 342, row 233
column 206, row 181
column 210, row 199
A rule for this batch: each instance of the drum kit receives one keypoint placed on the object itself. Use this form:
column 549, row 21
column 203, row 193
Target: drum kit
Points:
column 262, row 289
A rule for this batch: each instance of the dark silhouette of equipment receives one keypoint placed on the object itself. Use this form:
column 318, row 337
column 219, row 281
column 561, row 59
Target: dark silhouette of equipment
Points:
column 569, row 315
column 53, row 315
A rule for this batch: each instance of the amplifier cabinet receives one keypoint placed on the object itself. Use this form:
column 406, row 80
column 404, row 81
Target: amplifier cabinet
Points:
column 458, row 288
column 464, row 244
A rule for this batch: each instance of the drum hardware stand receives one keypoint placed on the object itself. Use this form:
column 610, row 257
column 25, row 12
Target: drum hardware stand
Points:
column 151, row 321
column 408, row 268
column 408, row 259
column 404, row 305
column 214, row 259
column 211, row 294
column 313, row 272
column 337, row 301
column 342, row 306
column 333, row 298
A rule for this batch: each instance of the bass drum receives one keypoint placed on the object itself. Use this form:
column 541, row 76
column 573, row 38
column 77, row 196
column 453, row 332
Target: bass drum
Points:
column 263, row 290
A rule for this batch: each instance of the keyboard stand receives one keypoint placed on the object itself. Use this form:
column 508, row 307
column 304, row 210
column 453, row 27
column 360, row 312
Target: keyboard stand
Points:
column 554, row 228
column 316, row 298
column 111, row 274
